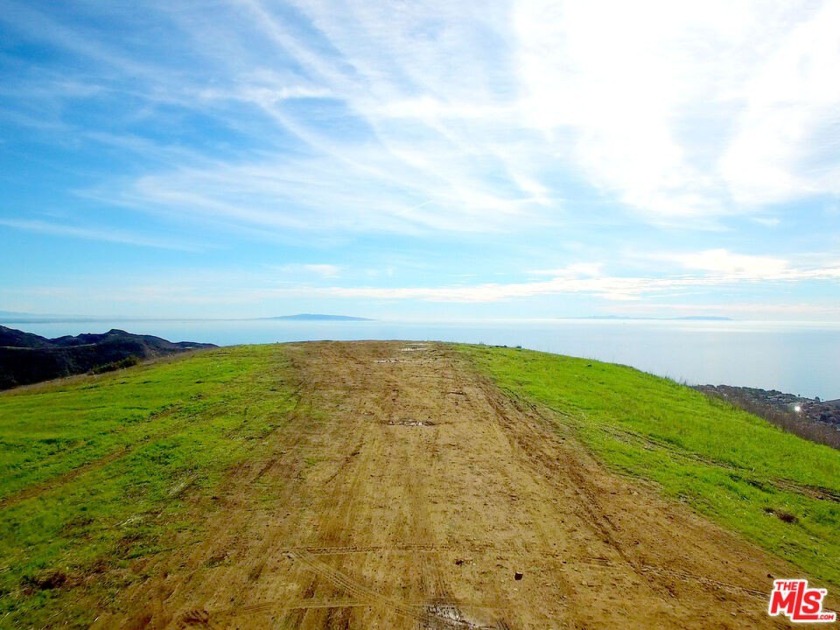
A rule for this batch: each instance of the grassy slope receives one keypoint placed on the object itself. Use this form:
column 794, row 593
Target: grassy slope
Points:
column 731, row 466
column 136, row 440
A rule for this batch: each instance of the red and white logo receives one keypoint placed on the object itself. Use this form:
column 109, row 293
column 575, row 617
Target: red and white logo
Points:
column 801, row 604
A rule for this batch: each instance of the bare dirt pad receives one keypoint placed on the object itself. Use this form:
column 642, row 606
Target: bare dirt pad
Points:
column 407, row 492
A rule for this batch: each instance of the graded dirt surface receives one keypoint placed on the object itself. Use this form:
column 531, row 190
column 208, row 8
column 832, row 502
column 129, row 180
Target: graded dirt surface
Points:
column 407, row 492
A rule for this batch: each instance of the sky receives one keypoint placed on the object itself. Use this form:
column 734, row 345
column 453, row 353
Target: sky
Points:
column 420, row 160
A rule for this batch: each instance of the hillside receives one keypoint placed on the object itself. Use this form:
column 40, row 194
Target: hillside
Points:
column 401, row 485
column 809, row 418
column 26, row 358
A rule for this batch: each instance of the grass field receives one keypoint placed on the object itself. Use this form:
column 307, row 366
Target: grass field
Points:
column 93, row 468
column 778, row 490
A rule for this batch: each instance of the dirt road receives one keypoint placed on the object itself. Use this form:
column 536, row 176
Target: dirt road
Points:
column 407, row 492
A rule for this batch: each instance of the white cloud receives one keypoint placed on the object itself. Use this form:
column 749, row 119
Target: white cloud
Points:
column 720, row 266
column 711, row 269
column 787, row 140
column 610, row 93
column 769, row 222
column 721, row 261
column 265, row 92
column 645, row 94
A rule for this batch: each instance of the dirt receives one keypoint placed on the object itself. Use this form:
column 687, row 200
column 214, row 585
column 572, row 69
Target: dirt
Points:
column 408, row 492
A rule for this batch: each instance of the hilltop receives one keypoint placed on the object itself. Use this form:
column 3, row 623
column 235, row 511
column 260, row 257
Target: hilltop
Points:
column 26, row 358
column 401, row 485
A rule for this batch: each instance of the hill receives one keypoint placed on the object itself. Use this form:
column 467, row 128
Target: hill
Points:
column 401, row 485
column 27, row 358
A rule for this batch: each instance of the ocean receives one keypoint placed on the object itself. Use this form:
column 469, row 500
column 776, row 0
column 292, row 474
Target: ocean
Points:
column 801, row 358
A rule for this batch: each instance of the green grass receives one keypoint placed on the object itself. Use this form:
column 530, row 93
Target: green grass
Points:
column 94, row 471
column 749, row 476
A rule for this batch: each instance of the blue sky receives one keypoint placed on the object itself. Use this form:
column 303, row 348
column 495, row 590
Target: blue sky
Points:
column 420, row 160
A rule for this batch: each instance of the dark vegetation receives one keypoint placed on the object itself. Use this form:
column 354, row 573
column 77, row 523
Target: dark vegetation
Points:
column 26, row 358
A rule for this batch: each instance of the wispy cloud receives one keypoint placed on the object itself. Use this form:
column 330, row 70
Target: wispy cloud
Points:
column 786, row 141
column 727, row 266
column 688, row 110
column 679, row 113
column 98, row 234
column 703, row 270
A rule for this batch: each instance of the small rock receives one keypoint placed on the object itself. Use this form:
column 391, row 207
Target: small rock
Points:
column 517, row 576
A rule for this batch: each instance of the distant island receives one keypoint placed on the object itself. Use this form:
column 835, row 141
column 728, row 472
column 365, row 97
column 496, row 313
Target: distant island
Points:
column 319, row 317
column 26, row 358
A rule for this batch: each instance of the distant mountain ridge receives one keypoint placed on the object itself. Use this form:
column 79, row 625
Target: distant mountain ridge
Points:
column 27, row 358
